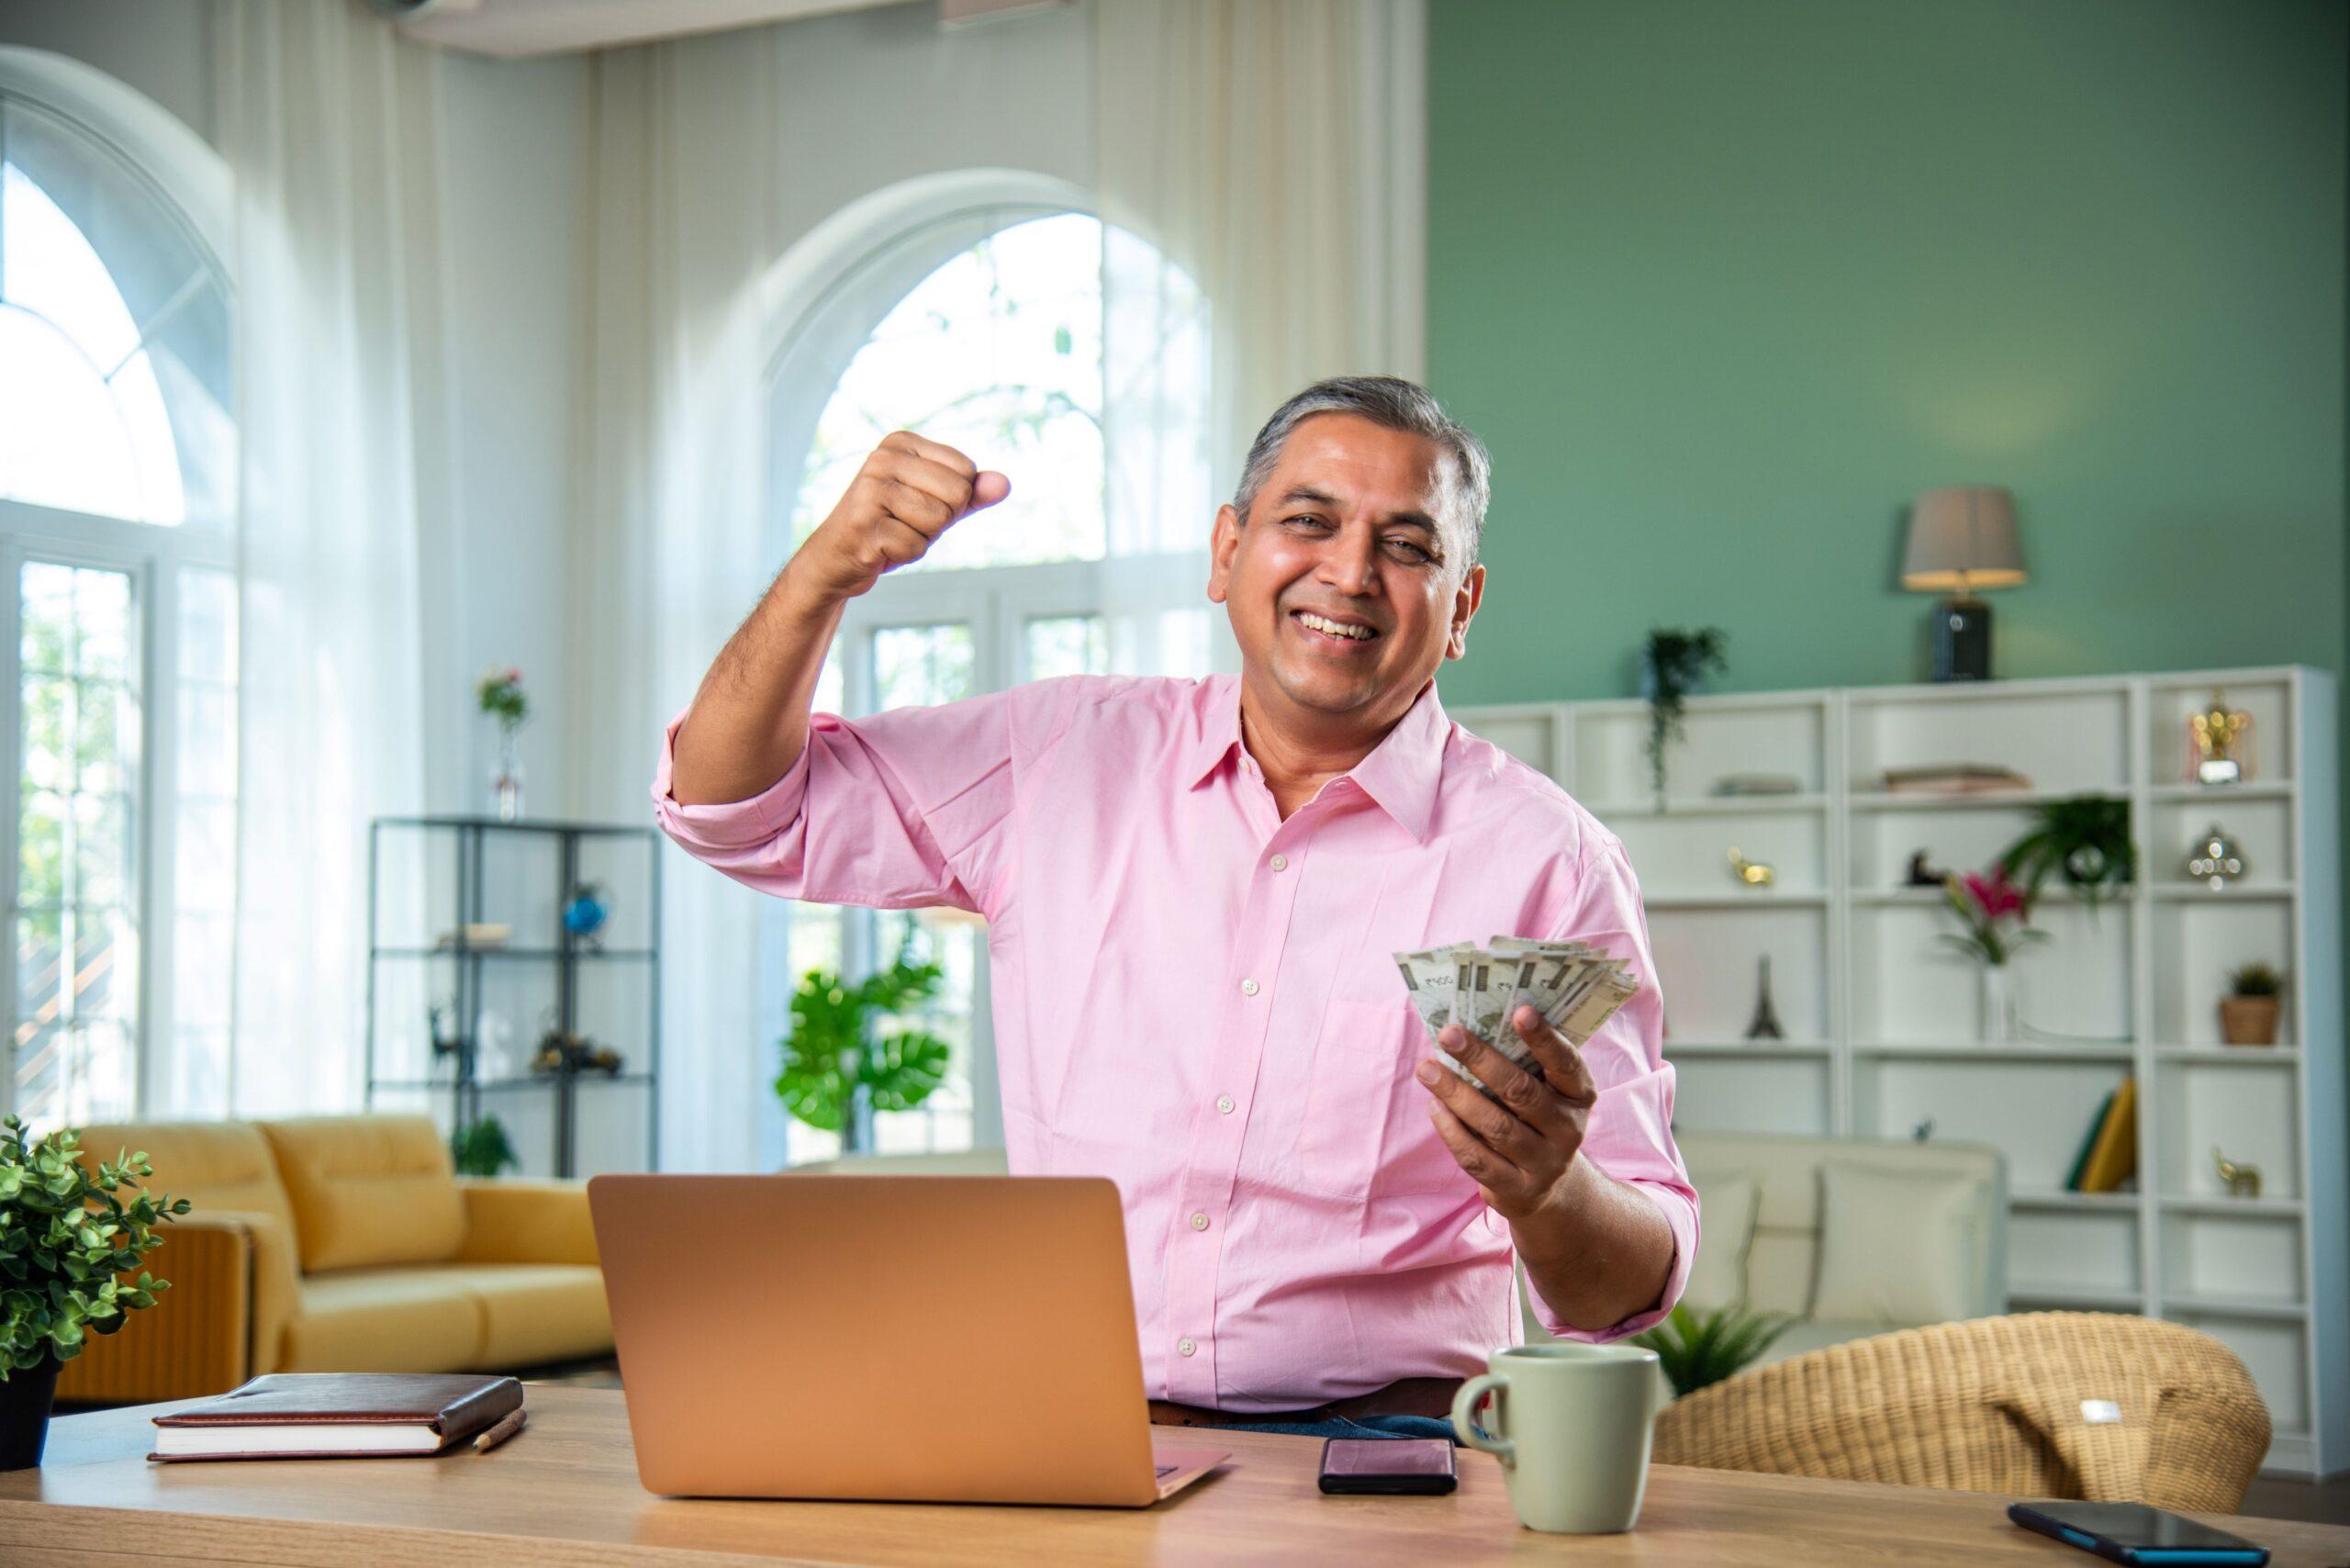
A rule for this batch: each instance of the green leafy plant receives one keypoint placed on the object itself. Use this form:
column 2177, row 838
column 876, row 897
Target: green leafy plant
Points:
column 482, row 1148
column 1697, row 1348
column 2085, row 839
column 2256, row 979
column 66, row 1236
column 835, row 1049
column 500, row 694
column 1673, row 664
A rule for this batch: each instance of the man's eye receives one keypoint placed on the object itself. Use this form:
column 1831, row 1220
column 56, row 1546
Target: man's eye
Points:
column 1307, row 520
column 1410, row 551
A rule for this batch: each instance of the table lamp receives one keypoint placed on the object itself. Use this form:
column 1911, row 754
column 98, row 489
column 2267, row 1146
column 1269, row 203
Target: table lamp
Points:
column 1962, row 538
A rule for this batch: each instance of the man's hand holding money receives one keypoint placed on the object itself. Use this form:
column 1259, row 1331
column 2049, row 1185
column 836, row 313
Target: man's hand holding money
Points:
column 1518, row 1142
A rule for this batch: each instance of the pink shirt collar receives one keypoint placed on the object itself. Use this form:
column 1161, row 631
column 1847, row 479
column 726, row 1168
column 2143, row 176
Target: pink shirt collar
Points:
column 1401, row 774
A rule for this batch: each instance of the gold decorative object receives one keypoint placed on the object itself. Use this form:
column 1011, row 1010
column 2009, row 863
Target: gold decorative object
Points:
column 2215, row 859
column 2219, row 744
column 2244, row 1180
column 1754, row 873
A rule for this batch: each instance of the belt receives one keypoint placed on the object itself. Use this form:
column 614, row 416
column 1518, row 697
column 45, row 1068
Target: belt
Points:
column 1404, row 1396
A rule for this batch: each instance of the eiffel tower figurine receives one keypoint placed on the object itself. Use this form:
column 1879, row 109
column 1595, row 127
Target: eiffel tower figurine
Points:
column 1766, row 1026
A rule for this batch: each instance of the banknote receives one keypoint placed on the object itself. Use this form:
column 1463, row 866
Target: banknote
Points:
column 1572, row 984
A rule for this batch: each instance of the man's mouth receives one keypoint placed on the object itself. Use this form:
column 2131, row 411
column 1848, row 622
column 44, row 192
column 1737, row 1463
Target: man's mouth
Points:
column 1333, row 628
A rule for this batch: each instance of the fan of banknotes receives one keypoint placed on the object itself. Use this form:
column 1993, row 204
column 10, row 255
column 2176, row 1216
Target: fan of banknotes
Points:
column 1572, row 984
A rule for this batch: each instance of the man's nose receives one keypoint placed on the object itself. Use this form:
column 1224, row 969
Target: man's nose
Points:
column 1351, row 563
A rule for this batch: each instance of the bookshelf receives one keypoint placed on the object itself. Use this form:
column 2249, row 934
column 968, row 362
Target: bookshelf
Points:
column 1883, row 1023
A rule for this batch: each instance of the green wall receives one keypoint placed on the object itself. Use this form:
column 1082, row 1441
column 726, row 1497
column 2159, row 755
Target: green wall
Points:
column 1723, row 284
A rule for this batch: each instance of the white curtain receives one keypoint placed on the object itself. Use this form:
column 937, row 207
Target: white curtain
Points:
column 1260, row 165
column 683, row 231
column 329, row 126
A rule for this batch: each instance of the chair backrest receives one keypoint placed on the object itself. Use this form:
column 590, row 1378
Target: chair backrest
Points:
column 369, row 1189
column 2091, row 1405
column 1783, row 1258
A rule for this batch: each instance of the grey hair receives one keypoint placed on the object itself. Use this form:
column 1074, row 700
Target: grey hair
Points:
column 1398, row 405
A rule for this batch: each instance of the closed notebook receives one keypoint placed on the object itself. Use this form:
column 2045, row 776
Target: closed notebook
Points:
column 337, row 1416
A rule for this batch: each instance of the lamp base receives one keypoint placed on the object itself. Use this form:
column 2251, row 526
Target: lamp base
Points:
column 1962, row 640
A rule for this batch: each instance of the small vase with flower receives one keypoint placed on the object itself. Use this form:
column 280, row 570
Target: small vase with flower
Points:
column 500, row 694
column 1996, row 914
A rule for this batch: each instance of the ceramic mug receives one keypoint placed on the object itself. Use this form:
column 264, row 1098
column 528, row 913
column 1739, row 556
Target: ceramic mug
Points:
column 1570, row 1423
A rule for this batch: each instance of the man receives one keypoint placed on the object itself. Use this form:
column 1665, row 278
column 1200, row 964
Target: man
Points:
column 1193, row 889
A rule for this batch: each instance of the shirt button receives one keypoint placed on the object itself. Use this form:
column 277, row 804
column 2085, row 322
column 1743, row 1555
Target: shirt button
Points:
column 1278, row 862
column 1223, row 1103
column 1248, row 987
column 1184, row 1347
column 1199, row 1221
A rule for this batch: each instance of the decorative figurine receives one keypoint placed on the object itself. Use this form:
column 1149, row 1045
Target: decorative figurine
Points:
column 2219, row 749
column 1766, row 1026
column 1922, row 1131
column 586, row 913
column 2215, row 859
column 446, row 1040
column 1922, row 875
column 1754, row 873
column 2244, row 1180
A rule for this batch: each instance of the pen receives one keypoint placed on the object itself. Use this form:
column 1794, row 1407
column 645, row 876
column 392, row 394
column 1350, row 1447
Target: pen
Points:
column 500, row 1432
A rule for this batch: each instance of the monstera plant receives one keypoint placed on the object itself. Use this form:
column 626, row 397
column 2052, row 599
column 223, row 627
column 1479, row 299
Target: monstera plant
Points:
column 69, row 1238
column 836, row 1059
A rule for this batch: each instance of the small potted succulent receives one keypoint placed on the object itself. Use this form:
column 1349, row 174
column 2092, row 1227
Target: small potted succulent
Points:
column 2248, row 1013
column 1698, row 1349
column 68, row 1237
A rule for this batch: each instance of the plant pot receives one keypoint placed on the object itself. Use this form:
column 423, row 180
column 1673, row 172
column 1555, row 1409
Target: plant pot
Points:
column 2248, row 1020
column 24, row 1415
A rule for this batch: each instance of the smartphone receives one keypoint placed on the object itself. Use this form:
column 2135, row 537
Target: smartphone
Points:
column 1410, row 1467
column 2132, row 1532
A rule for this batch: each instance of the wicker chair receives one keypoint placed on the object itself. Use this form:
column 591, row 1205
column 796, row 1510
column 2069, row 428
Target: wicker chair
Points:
column 1995, row 1405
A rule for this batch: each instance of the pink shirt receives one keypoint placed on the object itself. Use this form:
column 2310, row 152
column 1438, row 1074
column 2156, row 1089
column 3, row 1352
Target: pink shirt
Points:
column 1198, row 1000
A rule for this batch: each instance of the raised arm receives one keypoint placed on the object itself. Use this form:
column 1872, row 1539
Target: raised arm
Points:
column 749, row 721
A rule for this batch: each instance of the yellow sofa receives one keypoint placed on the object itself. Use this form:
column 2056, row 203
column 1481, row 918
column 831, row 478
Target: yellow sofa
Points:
column 343, row 1243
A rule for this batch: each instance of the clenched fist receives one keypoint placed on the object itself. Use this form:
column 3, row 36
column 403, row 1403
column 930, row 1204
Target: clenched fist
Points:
column 910, row 491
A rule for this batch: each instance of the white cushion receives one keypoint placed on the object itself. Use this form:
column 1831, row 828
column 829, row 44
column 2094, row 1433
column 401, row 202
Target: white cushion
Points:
column 1726, row 1202
column 1896, row 1246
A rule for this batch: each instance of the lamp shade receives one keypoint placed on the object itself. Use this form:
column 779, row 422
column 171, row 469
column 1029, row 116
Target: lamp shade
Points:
column 1962, row 538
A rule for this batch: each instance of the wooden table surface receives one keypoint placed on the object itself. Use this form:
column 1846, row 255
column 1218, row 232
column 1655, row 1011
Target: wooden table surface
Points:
column 565, row 1491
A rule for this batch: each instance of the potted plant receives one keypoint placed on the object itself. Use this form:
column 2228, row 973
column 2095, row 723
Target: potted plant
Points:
column 500, row 694
column 482, row 1148
column 2083, row 839
column 67, row 1238
column 1697, row 1350
column 2248, row 1013
column 1673, row 667
column 837, row 1072
column 1996, row 915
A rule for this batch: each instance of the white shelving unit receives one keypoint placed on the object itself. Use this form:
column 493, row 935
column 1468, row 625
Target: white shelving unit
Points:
column 1884, row 1022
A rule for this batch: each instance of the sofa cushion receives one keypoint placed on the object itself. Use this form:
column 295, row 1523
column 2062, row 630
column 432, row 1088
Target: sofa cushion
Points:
column 400, row 1320
column 214, row 1165
column 1718, row 1276
column 369, row 1190
column 1897, row 1247
column 535, row 1313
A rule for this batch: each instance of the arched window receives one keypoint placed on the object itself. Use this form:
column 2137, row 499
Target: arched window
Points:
column 118, row 469
column 970, row 309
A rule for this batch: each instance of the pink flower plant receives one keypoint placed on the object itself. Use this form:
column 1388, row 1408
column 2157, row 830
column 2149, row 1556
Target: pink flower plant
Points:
column 1995, row 913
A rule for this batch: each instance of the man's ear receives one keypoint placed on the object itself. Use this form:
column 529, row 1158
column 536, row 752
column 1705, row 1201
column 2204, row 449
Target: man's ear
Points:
column 1222, row 545
column 1464, row 609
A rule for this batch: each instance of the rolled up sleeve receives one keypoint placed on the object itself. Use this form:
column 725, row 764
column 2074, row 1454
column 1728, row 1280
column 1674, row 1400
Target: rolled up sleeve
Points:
column 903, row 809
column 1629, row 1134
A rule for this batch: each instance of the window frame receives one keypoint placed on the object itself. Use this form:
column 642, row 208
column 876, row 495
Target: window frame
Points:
column 192, row 186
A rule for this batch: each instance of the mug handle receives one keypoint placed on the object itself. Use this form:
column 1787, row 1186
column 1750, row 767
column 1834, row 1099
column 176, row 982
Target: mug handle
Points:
column 1464, row 1418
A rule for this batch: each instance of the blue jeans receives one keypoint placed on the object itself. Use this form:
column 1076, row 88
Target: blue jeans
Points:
column 1342, row 1427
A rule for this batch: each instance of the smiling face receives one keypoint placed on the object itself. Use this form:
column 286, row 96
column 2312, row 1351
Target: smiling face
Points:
column 1345, row 585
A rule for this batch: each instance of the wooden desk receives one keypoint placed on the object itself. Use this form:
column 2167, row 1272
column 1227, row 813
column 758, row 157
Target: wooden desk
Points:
column 566, row 1493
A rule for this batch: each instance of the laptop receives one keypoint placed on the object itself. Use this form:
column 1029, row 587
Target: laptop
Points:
column 915, row 1338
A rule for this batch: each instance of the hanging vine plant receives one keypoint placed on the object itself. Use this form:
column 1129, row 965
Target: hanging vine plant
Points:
column 1672, row 666
column 2085, row 840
